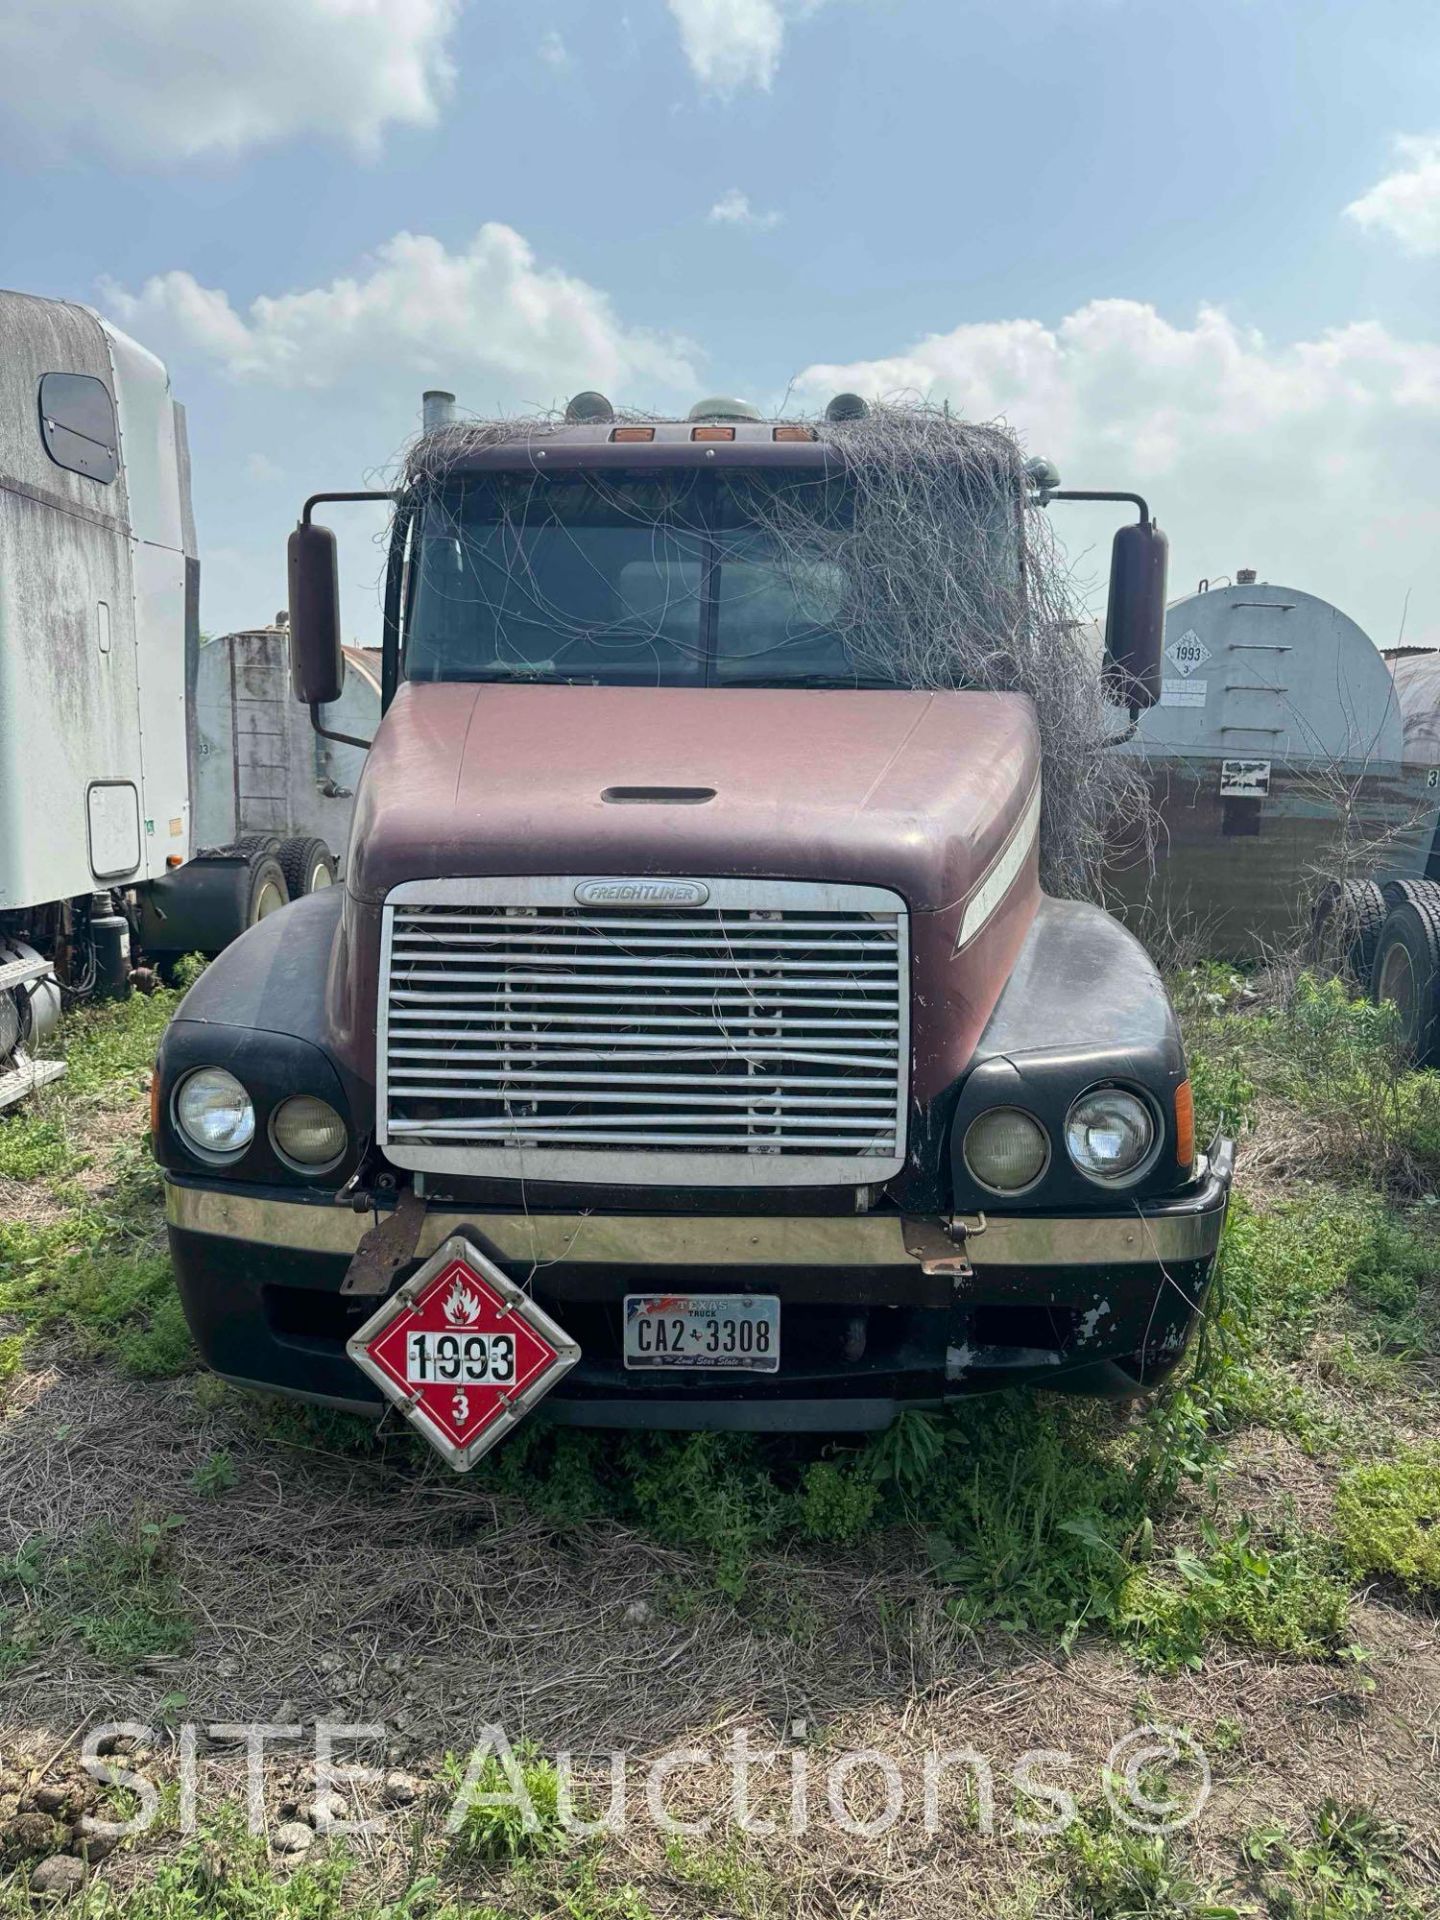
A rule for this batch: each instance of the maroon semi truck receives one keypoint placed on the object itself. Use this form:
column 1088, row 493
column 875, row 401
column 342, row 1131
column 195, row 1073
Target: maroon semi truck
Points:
column 698, row 980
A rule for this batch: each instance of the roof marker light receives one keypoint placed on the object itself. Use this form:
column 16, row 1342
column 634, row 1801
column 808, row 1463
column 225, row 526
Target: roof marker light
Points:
column 712, row 433
column 632, row 433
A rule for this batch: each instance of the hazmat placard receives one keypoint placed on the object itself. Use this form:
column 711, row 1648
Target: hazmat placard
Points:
column 1188, row 654
column 463, row 1352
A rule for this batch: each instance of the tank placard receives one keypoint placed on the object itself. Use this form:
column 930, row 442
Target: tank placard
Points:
column 1189, row 653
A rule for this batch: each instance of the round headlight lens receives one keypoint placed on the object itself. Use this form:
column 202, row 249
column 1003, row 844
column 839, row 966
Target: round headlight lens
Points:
column 214, row 1112
column 1109, row 1133
column 1006, row 1150
column 308, row 1131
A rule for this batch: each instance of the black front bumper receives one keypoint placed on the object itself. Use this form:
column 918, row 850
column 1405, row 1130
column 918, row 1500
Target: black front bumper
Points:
column 874, row 1318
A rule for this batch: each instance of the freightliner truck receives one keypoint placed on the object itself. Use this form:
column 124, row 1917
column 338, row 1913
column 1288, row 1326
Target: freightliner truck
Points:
column 700, row 982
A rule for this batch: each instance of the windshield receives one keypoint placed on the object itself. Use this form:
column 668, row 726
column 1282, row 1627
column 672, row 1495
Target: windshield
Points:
column 623, row 579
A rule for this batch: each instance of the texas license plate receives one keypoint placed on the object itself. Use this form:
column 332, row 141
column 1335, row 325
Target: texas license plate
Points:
column 733, row 1332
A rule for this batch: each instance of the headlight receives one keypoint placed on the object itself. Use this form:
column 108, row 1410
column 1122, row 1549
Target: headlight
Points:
column 1109, row 1133
column 1006, row 1150
column 308, row 1131
column 214, row 1112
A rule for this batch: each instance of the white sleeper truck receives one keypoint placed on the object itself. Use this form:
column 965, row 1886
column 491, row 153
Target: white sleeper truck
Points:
column 99, row 640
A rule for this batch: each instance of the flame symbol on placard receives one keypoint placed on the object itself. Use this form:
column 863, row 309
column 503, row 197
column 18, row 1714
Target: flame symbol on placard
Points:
column 462, row 1308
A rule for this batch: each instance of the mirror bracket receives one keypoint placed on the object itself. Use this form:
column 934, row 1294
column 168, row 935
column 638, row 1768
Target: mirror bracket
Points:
column 1080, row 493
column 325, row 733
column 318, row 499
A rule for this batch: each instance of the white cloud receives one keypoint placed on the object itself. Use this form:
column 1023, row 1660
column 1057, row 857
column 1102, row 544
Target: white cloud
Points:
column 731, row 43
column 1311, row 460
column 733, row 209
column 1406, row 203
column 159, row 81
column 486, row 320
column 552, row 49
column 260, row 468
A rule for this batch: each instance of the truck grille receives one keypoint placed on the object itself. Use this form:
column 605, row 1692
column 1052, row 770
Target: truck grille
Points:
column 760, row 1038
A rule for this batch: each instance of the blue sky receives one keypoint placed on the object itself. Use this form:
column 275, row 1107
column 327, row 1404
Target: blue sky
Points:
column 1193, row 249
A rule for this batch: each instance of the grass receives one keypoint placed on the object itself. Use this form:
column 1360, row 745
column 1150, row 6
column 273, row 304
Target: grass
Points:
column 87, row 1262
column 113, row 1591
column 1331, row 1062
column 1282, row 1597
column 1347, row 1864
column 1387, row 1515
column 1115, row 1873
column 729, row 1879
column 509, row 1805
column 1031, row 1511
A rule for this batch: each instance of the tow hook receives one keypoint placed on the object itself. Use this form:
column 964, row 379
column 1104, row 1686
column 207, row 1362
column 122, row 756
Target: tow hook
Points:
column 939, row 1244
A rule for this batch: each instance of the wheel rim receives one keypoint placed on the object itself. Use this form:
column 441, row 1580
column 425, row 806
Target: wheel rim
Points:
column 269, row 900
column 319, row 877
column 1397, row 984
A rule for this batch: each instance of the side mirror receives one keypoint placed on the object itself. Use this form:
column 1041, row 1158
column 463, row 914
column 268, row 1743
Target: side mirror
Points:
column 317, row 666
column 1135, row 617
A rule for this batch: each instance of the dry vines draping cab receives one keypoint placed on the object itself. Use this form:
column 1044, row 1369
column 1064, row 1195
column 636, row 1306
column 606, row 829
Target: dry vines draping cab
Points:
column 924, row 553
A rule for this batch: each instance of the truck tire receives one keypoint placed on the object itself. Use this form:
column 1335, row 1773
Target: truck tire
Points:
column 309, row 864
column 1345, row 928
column 259, row 843
column 210, row 901
column 1406, row 973
column 1397, row 892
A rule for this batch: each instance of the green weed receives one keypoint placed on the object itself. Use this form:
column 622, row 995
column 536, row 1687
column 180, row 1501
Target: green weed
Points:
column 226, row 1874
column 187, row 970
column 1344, row 1867
column 1282, row 1598
column 35, row 1144
column 834, row 1504
column 1337, row 1272
column 111, row 1298
column 109, row 1047
column 728, row 1879
column 1388, row 1519
column 1115, row 1873
column 509, row 1814
column 1042, row 1511
column 94, row 1273
column 114, row 1592
column 216, row 1475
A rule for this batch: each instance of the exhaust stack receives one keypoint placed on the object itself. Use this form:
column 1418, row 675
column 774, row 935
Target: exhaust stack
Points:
column 437, row 409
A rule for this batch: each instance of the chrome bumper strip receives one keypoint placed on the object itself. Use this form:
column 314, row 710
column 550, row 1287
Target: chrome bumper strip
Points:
column 720, row 1240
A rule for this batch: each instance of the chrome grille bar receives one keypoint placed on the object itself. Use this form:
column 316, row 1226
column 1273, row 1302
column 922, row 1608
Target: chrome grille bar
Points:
column 760, row 1038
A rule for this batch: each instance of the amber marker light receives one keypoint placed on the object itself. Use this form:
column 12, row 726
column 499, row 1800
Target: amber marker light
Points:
column 792, row 433
column 712, row 433
column 632, row 433
column 1184, row 1125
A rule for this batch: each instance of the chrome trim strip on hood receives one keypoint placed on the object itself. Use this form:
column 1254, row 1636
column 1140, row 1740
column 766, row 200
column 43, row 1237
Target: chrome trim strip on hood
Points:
column 1003, row 873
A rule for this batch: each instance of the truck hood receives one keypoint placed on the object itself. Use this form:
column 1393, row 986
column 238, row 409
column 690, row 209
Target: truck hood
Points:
column 910, row 790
